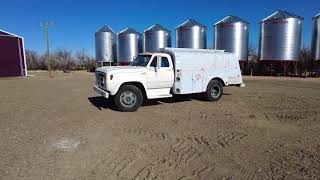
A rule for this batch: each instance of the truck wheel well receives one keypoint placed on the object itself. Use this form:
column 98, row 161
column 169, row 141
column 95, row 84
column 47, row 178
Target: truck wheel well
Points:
column 138, row 85
column 219, row 79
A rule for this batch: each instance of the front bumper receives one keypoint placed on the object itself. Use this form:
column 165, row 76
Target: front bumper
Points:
column 101, row 91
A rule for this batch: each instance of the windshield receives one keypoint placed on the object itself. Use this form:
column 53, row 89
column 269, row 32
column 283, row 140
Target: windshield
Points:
column 141, row 60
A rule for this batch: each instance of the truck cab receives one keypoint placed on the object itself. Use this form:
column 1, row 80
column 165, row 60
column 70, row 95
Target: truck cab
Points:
column 167, row 72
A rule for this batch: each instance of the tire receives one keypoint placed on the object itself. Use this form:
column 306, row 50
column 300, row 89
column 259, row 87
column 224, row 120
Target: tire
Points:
column 128, row 98
column 214, row 91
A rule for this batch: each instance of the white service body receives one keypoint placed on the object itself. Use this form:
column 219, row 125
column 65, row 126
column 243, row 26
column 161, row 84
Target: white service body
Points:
column 177, row 71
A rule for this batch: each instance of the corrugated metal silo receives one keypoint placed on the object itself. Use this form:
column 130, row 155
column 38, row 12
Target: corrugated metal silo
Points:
column 191, row 34
column 129, row 45
column 315, row 46
column 156, row 37
column 280, row 37
column 232, row 34
column 106, row 45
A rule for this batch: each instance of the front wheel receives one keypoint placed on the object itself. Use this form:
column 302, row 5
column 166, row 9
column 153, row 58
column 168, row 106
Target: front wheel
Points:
column 214, row 91
column 128, row 99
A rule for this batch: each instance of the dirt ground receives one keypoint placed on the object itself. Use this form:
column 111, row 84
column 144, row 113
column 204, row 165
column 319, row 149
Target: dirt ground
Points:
column 59, row 129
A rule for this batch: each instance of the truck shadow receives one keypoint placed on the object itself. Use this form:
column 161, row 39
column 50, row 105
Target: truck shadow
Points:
column 102, row 103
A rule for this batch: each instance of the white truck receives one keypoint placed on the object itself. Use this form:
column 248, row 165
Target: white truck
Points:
column 167, row 72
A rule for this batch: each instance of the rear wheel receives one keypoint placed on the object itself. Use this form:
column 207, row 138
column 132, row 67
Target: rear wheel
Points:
column 128, row 99
column 214, row 90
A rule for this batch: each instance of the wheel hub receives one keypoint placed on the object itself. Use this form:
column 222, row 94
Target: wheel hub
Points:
column 215, row 91
column 128, row 99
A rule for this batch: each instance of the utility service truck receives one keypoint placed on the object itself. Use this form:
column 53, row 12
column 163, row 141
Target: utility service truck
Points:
column 167, row 72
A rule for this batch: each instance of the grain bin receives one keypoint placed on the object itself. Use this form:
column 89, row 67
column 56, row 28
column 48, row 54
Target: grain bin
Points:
column 232, row 34
column 315, row 46
column 156, row 37
column 106, row 45
column 129, row 45
column 191, row 34
column 280, row 37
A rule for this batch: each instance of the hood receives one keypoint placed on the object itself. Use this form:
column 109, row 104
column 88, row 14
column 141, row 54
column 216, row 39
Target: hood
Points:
column 121, row 69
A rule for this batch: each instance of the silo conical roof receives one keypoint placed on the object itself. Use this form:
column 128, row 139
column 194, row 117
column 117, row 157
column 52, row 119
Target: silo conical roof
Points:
column 316, row 16
column 128, row 31
column 281, row 14
column 191, row 23
column 105, row 28
column 231, row 19
column 156, row 27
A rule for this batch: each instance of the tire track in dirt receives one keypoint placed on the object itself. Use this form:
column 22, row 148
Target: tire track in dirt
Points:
column 114, row 164
column 141, row 133
column 199, row 173
column 181, row 154
column 223, row 140
column 228, row 139
column 247, row 173
column 297, row 116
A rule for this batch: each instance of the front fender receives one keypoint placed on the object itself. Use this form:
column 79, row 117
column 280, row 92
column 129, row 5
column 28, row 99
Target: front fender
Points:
column 119, row 80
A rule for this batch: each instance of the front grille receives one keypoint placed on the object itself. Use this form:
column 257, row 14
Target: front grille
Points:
column 100, row 80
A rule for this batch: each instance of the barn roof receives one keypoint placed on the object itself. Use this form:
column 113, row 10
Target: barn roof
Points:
column 5, row 33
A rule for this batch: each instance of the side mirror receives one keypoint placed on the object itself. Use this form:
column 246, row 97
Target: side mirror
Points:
column 156, row 69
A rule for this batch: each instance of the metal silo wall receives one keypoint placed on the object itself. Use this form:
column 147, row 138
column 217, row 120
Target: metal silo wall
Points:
column 129, row 45
column 154, row 40
column 280, row 39
column 106, row 47
column 140, row 43
column 194, row 37
column 232, row 37
column 315, row 46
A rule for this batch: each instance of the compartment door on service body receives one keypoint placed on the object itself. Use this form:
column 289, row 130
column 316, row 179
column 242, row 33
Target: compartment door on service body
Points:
column 197, row 81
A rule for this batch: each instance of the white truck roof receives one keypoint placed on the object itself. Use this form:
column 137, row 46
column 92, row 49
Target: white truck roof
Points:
column 189, row 50
column 185, row 58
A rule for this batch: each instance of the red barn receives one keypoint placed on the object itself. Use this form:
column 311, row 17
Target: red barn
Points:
column 12, row 55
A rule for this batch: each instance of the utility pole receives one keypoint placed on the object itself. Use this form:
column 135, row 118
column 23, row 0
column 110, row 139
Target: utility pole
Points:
column 46, row 28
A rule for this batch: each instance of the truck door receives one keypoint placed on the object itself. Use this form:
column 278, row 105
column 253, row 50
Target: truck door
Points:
column 152, row 79
column 160, row 73
column 165, row 72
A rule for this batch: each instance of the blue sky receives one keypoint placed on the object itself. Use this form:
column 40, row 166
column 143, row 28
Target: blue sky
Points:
column 75, row 22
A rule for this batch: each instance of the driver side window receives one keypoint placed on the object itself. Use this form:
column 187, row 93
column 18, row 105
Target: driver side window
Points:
column 154, row 62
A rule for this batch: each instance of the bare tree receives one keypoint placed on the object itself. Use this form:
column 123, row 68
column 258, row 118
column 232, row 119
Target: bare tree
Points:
column 253, row 55
column 32, row 59
column 305, row 60
column 81, row 57
column 253, row 59
column 62, row 59
column 90, row 64
column 43, row 64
